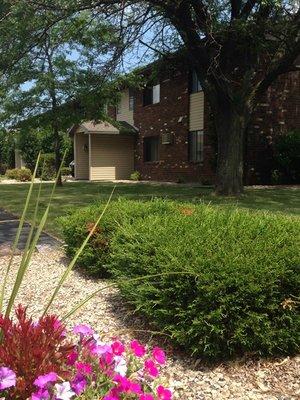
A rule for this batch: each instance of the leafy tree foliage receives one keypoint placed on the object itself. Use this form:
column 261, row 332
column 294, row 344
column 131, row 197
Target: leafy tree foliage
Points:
column 238, row 49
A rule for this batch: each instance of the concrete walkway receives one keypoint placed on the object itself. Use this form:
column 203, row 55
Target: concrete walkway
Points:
column 8, row 229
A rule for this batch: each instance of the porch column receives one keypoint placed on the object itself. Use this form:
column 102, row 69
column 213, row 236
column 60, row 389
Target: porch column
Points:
column 90, row 157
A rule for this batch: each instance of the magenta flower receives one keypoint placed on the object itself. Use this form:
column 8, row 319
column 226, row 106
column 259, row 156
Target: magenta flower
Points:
column 110, row 397
column 79, row 384
column 163, row 393
column 7, row 378
column 83, row 330
column 41, row 394
column 146, row 396
column 159, row 355
column 118, row 348
column 43, row 380
column 100, row 349
column 151, row 368
column 138, row 349
column 84, row 368
column 72, row 358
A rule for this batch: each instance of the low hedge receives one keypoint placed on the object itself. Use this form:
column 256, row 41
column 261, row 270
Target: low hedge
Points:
column 76, row 226
column 242, row 284
column 20, row 174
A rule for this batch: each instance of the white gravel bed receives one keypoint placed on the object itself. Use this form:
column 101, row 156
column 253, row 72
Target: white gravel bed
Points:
column 190, row 378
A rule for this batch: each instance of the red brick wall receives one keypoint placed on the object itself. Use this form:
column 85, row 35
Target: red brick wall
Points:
column 156, row 119
column 277, row 114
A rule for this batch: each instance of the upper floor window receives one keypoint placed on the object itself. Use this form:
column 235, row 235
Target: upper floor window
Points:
column 131, row 99
column 151, row 145
column 151, row 95
column 195, row 85
column 196, row 146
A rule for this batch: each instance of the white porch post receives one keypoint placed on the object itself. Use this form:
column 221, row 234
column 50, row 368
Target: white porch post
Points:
column 90, row 157
column 75, row 158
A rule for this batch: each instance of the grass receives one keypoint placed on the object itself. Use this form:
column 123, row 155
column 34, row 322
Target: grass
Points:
column 79, row 194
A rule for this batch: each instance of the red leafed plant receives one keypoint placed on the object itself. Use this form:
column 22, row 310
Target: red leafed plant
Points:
column 31, row 349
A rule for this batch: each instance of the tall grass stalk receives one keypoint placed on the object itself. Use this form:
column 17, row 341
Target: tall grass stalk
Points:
column 18, row 234
column 78, row 253
column 31, row 242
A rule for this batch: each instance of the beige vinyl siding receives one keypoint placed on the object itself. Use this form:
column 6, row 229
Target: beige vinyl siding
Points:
column 196, row 111
column 111, row 157
column 81, row 140
column 124, row 113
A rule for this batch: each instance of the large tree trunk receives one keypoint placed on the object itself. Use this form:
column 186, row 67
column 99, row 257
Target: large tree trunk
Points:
column 230, row 126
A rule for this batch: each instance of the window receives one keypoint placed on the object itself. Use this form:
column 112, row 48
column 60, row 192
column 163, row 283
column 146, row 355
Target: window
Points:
column 131, row 100
column 151, row 95
column 196, row 146
column 156, row 94
column 195, row 85
column 151, row 148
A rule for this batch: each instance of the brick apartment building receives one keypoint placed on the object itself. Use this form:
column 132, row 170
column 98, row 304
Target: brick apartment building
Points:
column 164, row 132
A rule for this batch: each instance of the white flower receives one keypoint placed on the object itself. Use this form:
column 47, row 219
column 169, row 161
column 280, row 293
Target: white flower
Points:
column 64, row 391
column 120, row 365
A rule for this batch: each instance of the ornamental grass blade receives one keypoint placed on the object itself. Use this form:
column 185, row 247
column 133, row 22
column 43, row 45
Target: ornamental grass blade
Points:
column 140, row 278
column 31, row 244
column 75, row 258
column 18, row 234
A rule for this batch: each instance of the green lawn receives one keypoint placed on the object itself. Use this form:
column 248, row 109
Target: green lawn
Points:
column 78, row 194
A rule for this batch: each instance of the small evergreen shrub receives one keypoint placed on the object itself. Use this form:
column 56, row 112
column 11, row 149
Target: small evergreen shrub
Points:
column 242, row 283
column 66, row 171
column 19, row 174
column 135, row 176
column 76, row 226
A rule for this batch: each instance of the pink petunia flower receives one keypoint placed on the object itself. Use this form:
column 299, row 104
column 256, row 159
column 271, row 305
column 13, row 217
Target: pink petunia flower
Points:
column 72, row 358
column 120, row 365
column 118, row 348
column 64, row 391
column 84, row 368
column 79, row 384
column 83, row 330
column 43, row 380
column 7, row 378
column 159, row 355
column 163, row 393
column 41, row 394
column 146, row 396
column 151, row 368
column 110, row 397
column 138, row 349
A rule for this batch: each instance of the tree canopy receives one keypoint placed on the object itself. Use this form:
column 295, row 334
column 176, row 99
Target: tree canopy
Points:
column 237, row 47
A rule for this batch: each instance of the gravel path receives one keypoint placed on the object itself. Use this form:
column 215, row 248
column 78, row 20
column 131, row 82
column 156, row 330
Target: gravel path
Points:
column 190, row 378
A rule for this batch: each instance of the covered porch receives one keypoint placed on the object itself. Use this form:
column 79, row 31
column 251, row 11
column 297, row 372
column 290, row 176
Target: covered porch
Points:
column 103, row 151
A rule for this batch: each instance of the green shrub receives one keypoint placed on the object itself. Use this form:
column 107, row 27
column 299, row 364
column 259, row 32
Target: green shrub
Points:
column 20, row 174
column 76, row 226
column 135, row 176
column 244, row 274
column 287, row 157
column 66, row 171
column 47, row 169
